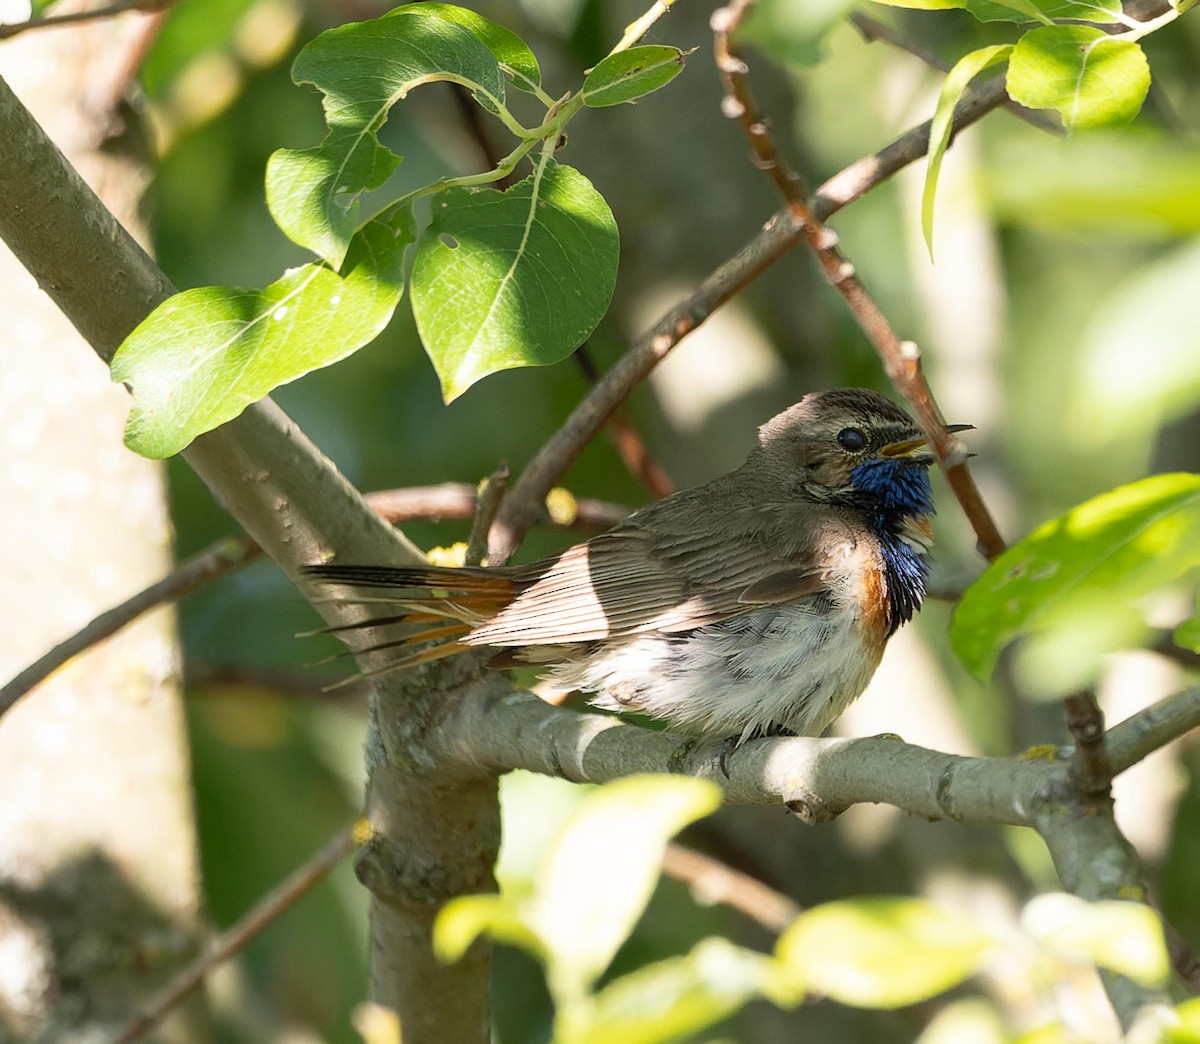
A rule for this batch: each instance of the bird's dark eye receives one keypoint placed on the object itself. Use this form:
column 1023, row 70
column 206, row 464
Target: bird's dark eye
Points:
column 851, row 439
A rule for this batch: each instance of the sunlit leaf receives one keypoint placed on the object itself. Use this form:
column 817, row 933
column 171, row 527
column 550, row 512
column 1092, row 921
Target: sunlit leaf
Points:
column 673, row 999
column 973, row 1019
column 204, row 355
column 881, row 952
column 363, row 69
column 1187, row 1030
column 628, row 75
column 925, row 5
column 1122, row 937
column 964, row 71
column 1117, row 547
column 509, row 49
column 462, row 920
column 513, row 278
column 601, row 870
column 1091, row 78
column 1187, row 634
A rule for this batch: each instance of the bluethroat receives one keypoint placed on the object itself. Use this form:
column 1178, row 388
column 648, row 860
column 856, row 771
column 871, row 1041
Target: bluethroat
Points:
column 756, row 604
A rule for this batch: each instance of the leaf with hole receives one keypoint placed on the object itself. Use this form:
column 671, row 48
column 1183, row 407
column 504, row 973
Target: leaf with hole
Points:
column 204, row 355
column 964, row 71
column 1091, row 78
column 628, row 75
column 513, row 278
column 363, row 69
column 1111, row 551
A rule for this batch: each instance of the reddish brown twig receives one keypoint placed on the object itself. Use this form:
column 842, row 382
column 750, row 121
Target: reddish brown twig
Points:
column 901, row 359
column 487, row 503
column 263, row 913
column 630, row 445
column 71, row 17
column 717, row 882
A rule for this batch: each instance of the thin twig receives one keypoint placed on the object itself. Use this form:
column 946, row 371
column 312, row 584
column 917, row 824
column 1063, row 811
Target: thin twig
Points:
column 873, row 30
column 223, row 557
column 630, row 445
column 716, row 882
column 901, row 359
column 71, row 17
column 491, row 492
column 266, row 911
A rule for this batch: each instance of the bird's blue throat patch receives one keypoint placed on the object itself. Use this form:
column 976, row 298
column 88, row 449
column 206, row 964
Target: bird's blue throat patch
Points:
column 888, row 492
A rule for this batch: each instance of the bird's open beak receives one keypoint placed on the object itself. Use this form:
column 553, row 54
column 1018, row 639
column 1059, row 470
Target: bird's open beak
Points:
column 909, row 448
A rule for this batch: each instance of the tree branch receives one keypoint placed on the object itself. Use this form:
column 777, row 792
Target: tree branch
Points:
column 11, row 29
column 715, row 882
column 265, row 912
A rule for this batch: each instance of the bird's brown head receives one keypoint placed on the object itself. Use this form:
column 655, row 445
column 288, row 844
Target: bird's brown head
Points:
column 850, row 445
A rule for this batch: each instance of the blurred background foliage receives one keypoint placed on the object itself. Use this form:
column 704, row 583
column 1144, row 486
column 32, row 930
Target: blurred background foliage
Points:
column 1060, row 319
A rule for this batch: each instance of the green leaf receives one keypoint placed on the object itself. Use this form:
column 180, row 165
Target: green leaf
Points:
column 1187, row 1030
column 1112, row 549
column 602, row 868
column 1123, row 937
column 1084, row 184
column 363, row 69
column 628, row 75
column 671, row 999
column 1187, row 634
column 793, row 33
column 925, row 5
column 1043, row 10
column 1151, row 317
column 1018, row 10
column 881, row 952
column 1091, row 78
column 964, row 71
column 513, row 278
column 204, row 355
column 462, row 920
column 510, row 51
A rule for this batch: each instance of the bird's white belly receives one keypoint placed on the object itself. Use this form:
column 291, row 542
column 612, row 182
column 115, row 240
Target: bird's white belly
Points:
column 793, row 667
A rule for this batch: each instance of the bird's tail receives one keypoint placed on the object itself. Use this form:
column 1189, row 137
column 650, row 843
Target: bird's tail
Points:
column 431, row 609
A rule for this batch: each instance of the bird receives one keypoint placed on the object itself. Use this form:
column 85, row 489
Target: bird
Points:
column 757, row 604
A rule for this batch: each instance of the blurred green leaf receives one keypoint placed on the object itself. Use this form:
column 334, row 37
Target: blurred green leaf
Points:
column 791, row 32
column 1091, row 78
column 881, row 952
column 510, row 51
column 973, row 1019
column 1187, row 634
column 1187, row 1030
column 964, row 71
column 1139, row 361
column 629, row 75
column 925, row 5
column 462, row 920
column 1084, row 184
column 363, row 69
column 1116, row 547
column 1122, row 937
column 513, row 278
column 672, row 999
column 600, row 872
column 1040, row 10
column 201, row 357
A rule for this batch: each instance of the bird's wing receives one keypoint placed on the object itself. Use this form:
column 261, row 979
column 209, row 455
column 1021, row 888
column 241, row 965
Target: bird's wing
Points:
column 639, row 579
